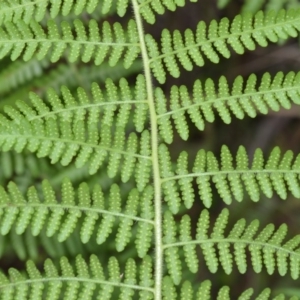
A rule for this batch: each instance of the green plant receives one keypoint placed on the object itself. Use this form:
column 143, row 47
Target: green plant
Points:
column 118, row 133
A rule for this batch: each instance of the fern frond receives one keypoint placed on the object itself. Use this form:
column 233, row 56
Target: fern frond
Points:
column 14, row 10
column 26, row 10
column 212, row 41
column 27, row 41
column 205, row 291
column 171, row 254
column 242, row 99
column 266, row 247
column 62, row 134
column 279, row 173
column 82, row 207
column 83, row 281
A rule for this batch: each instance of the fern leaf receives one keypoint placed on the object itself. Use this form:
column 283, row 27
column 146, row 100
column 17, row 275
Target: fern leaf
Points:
column 83, row 271
column 61, row 218
column 130, row 279
column 108, row 220
column 266, row 247
column 204, row 290
column 186, row 183
column 224, row 251
column 279, row 173
column 239, row 249
column 207, row 99
column 68, row 199
column 54, row 289
column 12, row 11
column 114, row 276
column 265, row 294
column 223, row 293
column 98, row 202
column 35, row 275
column 207, row 248
column 25, row 40
column 143, row 169
column 212, row 41
column 186, row 292
column 169, row 187
column 189, row 249
column 171, row 253
column 164, row 122
column 61, row 133
column 15, row 10
column 10, row 216
column 178, row 117
column 146, row 278
column 144, row 232
column 81, row 281
column 168, row 289
column 17, row 277
column 124, row 233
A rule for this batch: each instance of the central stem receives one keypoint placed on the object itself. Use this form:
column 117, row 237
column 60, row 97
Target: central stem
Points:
column 155, row 161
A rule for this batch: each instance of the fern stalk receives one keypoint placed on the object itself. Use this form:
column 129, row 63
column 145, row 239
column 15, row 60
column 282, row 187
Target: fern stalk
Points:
column 155, row 160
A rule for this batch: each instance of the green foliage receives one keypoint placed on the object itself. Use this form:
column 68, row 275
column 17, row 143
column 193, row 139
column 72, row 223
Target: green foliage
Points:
column 33, row 43
column 243, row 33
column 262, row 247
column 242, row 99
column 68, row 283
column 276, row 174
column 60, row 131
column 90, row 187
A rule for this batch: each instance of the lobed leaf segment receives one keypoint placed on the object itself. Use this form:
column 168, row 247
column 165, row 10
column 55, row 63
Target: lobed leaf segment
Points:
column 63, row 133
column 245, row 98
column 15, row 10
column 32, row 40
column 82, row 210
column 266, row 247
column 26, row 10
column 85, row 281
column 279, row 173
column 212, row 41
column 206, row 290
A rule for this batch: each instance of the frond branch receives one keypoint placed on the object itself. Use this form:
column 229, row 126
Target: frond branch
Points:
column 239, row 241
column 244, row 98
column 266, row 247
column 28, row 40
column 232, row 176
column 74, row 208
column 69, row 142
column 87, row 107
column 73, row 279
column 245, row 173
column 212, row 41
